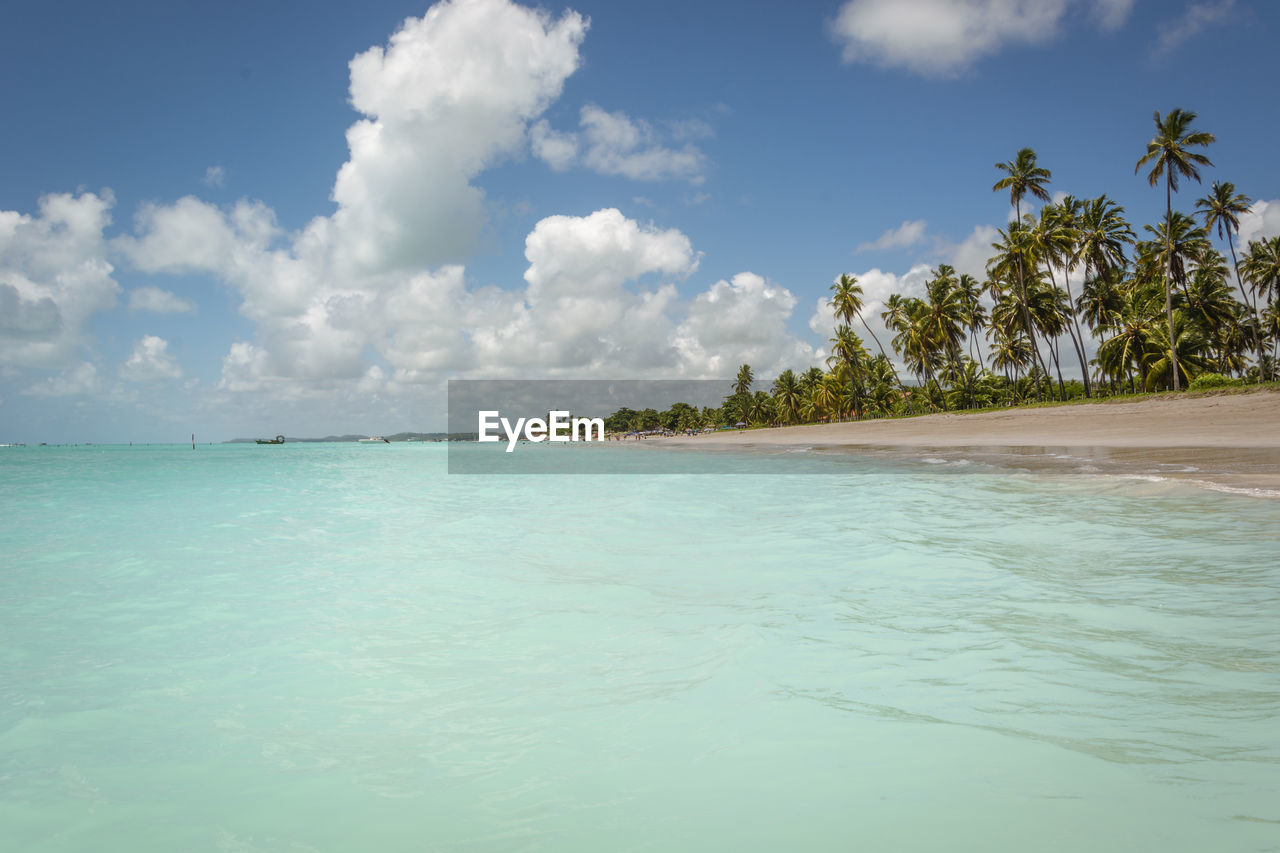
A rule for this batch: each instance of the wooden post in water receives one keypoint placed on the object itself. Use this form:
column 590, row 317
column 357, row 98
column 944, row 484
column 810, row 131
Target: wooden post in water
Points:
column 193, row 441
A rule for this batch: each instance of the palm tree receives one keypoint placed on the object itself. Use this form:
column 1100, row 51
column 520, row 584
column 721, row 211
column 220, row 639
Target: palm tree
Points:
column 1016, row 255
column 1101, row 297
column 945, row 319
column 1177, row 249
column 1189, row 347
column 1055, row 236
column 1023, row 176
column 847, row 302
column 1123, row 352
column 1262, row 271
column 1104, row 233
column 1221, row 209
column 742, row 385
column 847, row 352
column 975, row 315
column 1168, row 152
column 788, row 396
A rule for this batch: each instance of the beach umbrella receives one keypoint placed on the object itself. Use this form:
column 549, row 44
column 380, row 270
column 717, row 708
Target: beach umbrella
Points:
column 741, row 423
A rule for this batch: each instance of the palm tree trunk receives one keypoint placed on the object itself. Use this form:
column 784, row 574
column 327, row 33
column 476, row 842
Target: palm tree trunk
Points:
column 1078, row 337
column 906, row 399
column 1253, row 306
column 1026, row 312
column 1053, row 351
column 1168, row 279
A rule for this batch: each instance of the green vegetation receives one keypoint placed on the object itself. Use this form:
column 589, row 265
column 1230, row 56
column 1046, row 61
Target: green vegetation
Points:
column 1168, row 312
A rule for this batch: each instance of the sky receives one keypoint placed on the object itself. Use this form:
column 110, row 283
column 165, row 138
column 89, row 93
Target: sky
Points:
column 248, row 218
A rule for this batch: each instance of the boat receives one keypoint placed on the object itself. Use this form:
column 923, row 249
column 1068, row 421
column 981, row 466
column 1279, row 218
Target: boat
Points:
column 373, row 439
column 279, row 439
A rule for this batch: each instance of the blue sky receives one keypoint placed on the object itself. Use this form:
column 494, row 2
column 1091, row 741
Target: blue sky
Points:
column 213, row 221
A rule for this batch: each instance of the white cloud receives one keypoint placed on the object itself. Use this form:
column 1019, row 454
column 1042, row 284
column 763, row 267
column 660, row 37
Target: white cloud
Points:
column 450, row 95
column 1197, row 17
column 741, row 321
column 370, row 300
column 1261, row 220
column 971, row 254
column 557, row 150
column 576, row 312
column 80, row 379
column 54, row 276
column 150, row 361
column 158, row 301
column 908, row 233
column 214, row 176
column 943, row 37
column 612, row 143
column 1112, row 14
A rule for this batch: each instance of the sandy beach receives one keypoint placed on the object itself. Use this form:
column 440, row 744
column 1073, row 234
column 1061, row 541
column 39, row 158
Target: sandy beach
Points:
column 1225, row 440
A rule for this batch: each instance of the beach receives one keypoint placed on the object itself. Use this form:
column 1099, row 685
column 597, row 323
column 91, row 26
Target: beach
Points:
column 1224, row 439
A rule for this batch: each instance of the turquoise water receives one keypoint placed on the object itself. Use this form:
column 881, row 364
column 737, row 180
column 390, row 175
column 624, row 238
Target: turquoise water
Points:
column 340, row 648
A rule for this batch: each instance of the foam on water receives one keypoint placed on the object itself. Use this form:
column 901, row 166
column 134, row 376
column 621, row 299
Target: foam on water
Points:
column 339, row 647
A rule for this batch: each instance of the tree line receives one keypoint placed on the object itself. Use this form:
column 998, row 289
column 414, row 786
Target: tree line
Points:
column 1167, row 309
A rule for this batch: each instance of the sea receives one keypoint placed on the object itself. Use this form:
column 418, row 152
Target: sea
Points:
column 343, row 647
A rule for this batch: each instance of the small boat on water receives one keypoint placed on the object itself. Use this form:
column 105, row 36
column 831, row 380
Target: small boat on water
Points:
column 373, row 439
column 279, row 439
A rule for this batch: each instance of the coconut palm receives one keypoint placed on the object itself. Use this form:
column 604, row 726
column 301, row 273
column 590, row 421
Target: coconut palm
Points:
column 945, row 318
column 847, row 352
column 1170, row 157
column 969, row 291
column 1221, row 210
column 847, row 303
column 788, row 396
column 1262, row 268
column 742, row 385
column 1122, row 353
column 1101, row 299
column 1023, row 176
column 1015, row 261
column 1055, row 236
column 1189, row 353
column 1262, row 271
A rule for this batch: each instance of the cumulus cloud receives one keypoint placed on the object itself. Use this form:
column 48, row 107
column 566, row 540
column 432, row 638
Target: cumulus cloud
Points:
column 577, row 312
column 54, row 276
column 1196, row 18
column 451, row 94
column 612, row 143
column 741, row 321
column 157, row 301
column 557, row 150
column 943, row 37
column 150, row 361
column 372, row 298
column 908, row 233
column 1261, row 220
column 971, row 254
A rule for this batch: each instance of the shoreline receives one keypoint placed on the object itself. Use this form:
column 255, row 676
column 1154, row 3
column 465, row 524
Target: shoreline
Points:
column 1227, row 442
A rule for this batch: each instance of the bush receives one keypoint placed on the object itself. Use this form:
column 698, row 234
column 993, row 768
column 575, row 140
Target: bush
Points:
column 1205, row 381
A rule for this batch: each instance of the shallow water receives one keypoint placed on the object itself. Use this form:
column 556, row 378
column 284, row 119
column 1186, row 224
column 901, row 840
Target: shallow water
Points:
column 340, row 647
